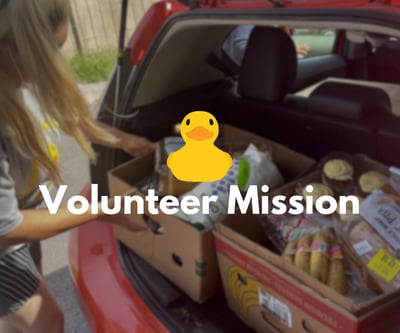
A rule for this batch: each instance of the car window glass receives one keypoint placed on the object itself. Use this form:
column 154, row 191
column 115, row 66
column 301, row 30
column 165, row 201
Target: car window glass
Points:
column 318, row 41
column 308, row 42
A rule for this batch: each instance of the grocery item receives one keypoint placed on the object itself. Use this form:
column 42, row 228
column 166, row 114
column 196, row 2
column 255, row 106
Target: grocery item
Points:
column 348, row 216
column 317, row 190
column 382, row 211
column 369, row 182
column 359, row 268
column 394, row 179
column 319, row 260
column 376, row 254
column 282, row 229
column 254, row 167
column 338, row 174
column 289, row 251
column 302, row 255
column 163, row 181
column 363, row 280
column 337, row 271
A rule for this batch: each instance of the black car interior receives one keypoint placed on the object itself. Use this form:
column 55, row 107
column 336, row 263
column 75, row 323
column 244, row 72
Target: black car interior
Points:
column 335, row 116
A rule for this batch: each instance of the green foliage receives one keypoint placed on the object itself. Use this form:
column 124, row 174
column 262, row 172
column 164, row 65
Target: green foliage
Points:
column 91, row 68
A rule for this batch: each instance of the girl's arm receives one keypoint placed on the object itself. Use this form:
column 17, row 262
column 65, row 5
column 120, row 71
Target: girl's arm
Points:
column 132, row 144
column 38, row 224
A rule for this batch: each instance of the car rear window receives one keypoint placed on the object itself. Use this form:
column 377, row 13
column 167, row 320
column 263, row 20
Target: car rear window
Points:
column 308, row 42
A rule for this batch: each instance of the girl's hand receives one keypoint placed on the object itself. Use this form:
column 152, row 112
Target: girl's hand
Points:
column 136, row 145
column 131, row 144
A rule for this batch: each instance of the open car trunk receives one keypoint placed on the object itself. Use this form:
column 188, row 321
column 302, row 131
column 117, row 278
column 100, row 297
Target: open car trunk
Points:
column 177, row 311
column 184, row 70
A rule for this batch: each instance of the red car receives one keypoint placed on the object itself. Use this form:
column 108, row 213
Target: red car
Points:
column 183, row 57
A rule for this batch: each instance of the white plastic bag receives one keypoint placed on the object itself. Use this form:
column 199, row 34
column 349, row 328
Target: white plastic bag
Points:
column 254, row 167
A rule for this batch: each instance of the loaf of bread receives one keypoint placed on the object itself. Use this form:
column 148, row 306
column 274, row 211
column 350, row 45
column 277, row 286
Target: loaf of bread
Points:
column 366, row 242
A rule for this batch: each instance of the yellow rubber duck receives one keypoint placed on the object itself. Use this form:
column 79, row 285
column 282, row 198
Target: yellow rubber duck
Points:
column 199, row 160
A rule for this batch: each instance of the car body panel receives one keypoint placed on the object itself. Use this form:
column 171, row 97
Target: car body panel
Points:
column 149, row 26
column 106, row 297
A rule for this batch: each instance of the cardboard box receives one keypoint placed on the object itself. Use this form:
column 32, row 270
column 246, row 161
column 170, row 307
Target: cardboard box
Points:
column 185, row 255
column 270, row 294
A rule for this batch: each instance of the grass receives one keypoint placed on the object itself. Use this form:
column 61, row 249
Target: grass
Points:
column 91, row 68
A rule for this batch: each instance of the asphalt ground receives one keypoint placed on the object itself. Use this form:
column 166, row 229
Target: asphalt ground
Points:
column 75, row 173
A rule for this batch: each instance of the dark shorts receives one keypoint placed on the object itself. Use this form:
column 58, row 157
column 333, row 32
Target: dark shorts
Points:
column 19, row 280
column 36, row 252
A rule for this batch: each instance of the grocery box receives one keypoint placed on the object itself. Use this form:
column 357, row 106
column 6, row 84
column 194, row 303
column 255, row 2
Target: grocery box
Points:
column 271, row 294
column 182, row 253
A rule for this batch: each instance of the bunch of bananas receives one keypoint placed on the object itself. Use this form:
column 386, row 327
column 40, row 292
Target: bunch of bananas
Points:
column 313, row 255
column 243, row 289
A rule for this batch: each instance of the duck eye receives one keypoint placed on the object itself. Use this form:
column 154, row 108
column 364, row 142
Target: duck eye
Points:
column 211, row 122
column 188, row 122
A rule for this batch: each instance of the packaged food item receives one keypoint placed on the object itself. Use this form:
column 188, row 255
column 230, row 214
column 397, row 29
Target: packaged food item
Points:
column 337, row 271
column 348, row 216
column 338, row 174
column 164, row 182
column 358, row 259
column 319, row 255
column 370, row 181
column 254, row 167
column 313, row 190
column 290, row 251
column 394, row 180
column 317, row 190
column 382, row 211
column 363, row 282
column 376, row 255
column 302, row 255
column 319, row 259
column 283, row 229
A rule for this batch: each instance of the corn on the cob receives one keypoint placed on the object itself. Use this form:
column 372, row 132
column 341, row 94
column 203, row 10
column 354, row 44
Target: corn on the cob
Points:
column 319, row 260
column 337, row 274
column 302, row 256
column 289, row 251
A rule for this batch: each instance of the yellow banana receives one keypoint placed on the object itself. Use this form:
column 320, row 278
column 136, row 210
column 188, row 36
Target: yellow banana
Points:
column 302, row 255
column 319, row 260
column 289, row 251
column 337, row 271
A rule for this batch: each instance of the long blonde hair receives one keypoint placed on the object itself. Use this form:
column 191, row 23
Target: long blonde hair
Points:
column 29, row 26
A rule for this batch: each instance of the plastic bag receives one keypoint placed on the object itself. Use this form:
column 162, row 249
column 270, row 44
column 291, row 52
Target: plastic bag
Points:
column 254, row 167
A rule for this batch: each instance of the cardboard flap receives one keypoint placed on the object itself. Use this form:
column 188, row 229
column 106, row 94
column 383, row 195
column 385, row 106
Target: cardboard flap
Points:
column 290, row 163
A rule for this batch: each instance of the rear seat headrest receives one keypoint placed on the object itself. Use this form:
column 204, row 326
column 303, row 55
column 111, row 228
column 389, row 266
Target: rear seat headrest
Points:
column 360, row 37
column 349, row 101
column 269, row 65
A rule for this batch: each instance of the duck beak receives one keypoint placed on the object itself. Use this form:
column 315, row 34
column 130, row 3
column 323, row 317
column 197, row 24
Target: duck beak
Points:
column 199, row 133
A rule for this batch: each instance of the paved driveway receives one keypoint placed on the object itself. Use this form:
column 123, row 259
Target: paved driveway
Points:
column 55, row 250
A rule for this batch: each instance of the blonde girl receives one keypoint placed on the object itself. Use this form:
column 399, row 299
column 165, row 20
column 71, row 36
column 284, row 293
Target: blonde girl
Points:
column 38, row 97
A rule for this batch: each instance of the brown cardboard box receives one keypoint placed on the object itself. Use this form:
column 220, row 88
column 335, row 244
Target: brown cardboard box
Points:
column 182, row 253
column 270, row 294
